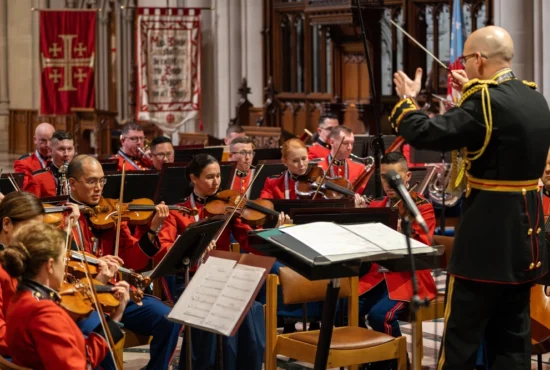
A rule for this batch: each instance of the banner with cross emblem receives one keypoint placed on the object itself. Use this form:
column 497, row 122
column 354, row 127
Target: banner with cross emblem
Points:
column 67, row 55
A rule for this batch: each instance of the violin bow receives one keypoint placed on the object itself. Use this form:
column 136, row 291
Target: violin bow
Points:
column 237, row 205
column 411, row 189
column 119, row 210
column 328, row 169
column 102, row 319
column 13, row 182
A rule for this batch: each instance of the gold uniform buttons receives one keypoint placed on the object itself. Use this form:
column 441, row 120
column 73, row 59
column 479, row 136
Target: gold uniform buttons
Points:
column 523, row 191
column 539, row 230
column 539, row 264
column 531, row 266
column 530, row 231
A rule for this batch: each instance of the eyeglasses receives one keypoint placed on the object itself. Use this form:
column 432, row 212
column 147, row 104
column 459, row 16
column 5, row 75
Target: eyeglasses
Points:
column 161, row 156
column 135, row 139
column 245, row 152
column 94, row 182
column 462, row 59
column 329, row 128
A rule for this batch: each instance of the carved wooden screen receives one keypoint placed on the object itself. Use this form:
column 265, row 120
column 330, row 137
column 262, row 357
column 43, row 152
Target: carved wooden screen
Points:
column 314, row 59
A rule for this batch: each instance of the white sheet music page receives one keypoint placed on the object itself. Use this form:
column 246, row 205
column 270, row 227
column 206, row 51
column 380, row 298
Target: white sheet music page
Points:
column 387, row 238
column 217, row 295
column 197, row 300
column 331, row 240
column 234, row 298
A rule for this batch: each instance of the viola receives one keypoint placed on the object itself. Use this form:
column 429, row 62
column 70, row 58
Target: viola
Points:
column 252, row 212
column 137, row 212
column 54, row 214
column 76, row 268
column 332, row 188
column 76, row 298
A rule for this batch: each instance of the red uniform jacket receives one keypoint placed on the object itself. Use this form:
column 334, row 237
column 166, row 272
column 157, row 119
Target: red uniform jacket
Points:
column 41, row 335
column 274, row 187
column 43, row 183
column 399, row 283
column 29, row 163
column 135, row 249
column 8, row 286
column 241, row 180
column 546, row 203
column 176, row 224
column 319, row 149
column 354, row 170
column 133, row 164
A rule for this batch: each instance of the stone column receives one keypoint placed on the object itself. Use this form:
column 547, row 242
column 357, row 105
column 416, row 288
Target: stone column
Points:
column 252, row 49
column 4, row 97
column 541, row 41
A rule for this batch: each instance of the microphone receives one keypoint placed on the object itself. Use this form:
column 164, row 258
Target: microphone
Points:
column 396, row 183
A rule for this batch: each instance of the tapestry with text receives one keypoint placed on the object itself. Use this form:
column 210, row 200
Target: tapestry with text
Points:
column 168, row 60
column 67, row 58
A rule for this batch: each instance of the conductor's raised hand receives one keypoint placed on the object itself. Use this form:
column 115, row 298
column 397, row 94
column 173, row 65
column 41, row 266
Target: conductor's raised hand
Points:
column 458, row 79
column 404, row 86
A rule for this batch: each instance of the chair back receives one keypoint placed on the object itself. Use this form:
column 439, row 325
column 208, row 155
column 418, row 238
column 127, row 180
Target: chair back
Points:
column 447, row 242
column 298, row 289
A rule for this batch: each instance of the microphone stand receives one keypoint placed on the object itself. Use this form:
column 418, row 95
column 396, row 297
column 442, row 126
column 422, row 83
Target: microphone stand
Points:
column 416, row 301
column 377, row 142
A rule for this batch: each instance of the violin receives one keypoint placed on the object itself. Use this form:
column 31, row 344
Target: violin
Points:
column 54, row 214
column 77, row 269
column 137, row 212
column 332, row 188
column 253, row 212
column 400, row 206
column 76, row 298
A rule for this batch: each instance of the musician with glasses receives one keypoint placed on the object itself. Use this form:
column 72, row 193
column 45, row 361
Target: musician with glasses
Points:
column 321, row 146
column 132, row 141
column 162, row 151
column 241, row 150
column 86, row 179
column 501, row 126
column 51, row 181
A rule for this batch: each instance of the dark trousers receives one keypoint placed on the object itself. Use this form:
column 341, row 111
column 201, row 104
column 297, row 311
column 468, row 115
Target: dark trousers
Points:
column 497, row 312
column 149, row 319
column 381, row 310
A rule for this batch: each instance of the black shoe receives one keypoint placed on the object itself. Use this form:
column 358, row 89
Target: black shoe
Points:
column 289, row 327
column 315, row 325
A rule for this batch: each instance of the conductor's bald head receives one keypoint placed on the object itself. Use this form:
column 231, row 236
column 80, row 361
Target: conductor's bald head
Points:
column 489, row 49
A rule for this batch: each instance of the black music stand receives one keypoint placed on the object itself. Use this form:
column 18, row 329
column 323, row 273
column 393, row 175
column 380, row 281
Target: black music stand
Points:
column 266, row 154
column 345, row 216
column 185, row 253
column 18, row 176
column 173, row 186
column 137, row 184
column 313, row 266
column 6, row 186
column 185, row 155
column 271, row 168
column 288, row 205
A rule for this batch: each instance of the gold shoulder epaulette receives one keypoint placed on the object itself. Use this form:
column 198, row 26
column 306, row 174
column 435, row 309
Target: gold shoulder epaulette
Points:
column 473, row 86
column 531, row 84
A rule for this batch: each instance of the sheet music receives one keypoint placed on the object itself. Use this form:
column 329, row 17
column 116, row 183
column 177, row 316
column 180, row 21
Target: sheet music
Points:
column 386, row 237
column 330, row 240
column 217, row 295
column 339, row 242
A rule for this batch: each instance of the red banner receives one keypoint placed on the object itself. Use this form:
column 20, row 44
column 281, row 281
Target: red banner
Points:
column 67, row 59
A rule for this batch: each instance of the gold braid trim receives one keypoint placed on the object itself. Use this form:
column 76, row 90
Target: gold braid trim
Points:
column 399, row 111
column 530, row 84
column 469, row 89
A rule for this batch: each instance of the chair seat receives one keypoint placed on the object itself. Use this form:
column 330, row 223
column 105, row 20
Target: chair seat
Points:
column 346, row 338
column 433, row 311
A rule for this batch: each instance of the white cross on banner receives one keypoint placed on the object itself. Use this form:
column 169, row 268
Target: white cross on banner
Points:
column 67, row 58
column 168, row 86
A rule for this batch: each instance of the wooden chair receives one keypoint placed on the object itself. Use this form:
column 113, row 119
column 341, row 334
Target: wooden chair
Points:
column 436, row 309
column 6, row 365
column 351, row 345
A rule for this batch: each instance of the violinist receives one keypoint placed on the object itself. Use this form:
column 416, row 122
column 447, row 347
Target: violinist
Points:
column 50, row 181
column 86, row 179
column 38, row 159
column 41, row 334
column 132, row 141
column 204, row 173
column 295, row 159
column 342, row 166
column 383, row 294
column 162, row 151
column 16, row 210
column 241, row 150
column 321, row 146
